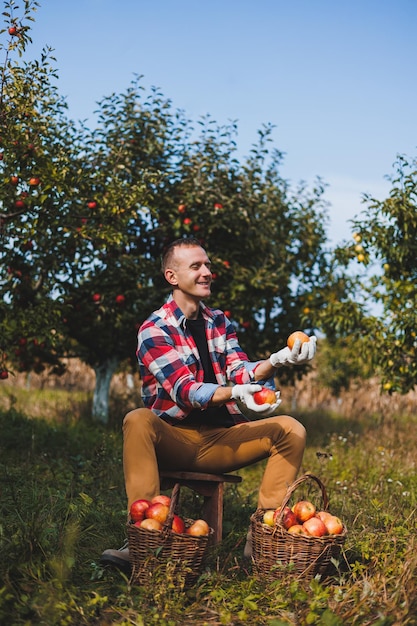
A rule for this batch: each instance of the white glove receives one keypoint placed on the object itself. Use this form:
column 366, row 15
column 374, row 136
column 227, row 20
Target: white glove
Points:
column 294, row 356
column 244, row 393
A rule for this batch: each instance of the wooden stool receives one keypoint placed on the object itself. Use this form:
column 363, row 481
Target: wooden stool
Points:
column 211, row 487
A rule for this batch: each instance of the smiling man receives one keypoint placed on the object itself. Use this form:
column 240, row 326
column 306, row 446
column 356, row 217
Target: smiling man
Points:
column 194, row 373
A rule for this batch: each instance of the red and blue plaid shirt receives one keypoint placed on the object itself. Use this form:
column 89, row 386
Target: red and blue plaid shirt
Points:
column 170, row 368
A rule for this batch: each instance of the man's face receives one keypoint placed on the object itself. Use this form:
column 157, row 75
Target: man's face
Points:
column 190, row 272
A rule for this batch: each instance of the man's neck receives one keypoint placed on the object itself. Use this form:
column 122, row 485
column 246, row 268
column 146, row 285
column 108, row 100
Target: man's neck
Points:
column 188, row 305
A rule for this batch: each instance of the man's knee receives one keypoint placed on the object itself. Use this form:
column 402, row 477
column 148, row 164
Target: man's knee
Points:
column 293, row 429
column 140, row 418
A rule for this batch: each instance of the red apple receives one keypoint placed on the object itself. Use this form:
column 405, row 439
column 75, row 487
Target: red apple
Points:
column 92, row 204
column 149, row 524
column 187, row 221
column 14, row 180
column 13, row 31
column 304, row 509
column 218, row 206
column 297, row 529
column 265, row 396
column 96, row 297
column 289, row 518
column 120, row 299
column 138, row 508
column 178, row 525
column 4, row 374
column 333, row 523
column 181, row 208
column 161, row 498
column 34, row 182
column 199, row 528
column 157, row 511
column 315, row 527
column 228, row 314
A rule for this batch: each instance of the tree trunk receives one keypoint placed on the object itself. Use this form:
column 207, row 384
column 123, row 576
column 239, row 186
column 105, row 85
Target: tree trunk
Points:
column 104, row 373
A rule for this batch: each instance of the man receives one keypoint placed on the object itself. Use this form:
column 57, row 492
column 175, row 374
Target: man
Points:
column 195, row 380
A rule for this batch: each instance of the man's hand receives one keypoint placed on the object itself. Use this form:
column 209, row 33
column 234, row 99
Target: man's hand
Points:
column 296, row 356
column 244, row 393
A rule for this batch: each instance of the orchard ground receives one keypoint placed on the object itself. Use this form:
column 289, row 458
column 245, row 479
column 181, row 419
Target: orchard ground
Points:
column 63, row 503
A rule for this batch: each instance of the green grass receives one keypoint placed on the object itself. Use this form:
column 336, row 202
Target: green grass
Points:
column 63, row 503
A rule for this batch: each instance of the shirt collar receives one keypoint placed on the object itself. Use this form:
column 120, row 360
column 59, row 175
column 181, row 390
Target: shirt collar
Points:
column 179, row 315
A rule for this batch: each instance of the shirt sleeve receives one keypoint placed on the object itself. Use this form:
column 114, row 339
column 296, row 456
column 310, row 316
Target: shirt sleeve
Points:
column 158, row 355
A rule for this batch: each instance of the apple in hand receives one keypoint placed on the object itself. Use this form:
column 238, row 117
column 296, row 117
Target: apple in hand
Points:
column 298, row 334
column 198, row 529
column 149, row 524
column 138, row 508
column 315, row 527
column 304, row 509
column 157, row 511
column 265, row 396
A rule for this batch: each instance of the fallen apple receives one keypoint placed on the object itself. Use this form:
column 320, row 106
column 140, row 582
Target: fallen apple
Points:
column 304, row 509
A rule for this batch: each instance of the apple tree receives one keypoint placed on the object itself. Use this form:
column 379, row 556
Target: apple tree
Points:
column 377, row 314
column 85, row 214
column 36, row 143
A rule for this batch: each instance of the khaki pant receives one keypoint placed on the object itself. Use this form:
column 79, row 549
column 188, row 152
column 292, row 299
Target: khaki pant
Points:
column 151, row 444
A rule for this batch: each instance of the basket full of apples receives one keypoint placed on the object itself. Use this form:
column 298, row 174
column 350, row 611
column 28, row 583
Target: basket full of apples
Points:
column 158, row 535
column 302, row 539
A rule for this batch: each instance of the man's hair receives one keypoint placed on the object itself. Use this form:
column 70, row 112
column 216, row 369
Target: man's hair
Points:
column 169, row 250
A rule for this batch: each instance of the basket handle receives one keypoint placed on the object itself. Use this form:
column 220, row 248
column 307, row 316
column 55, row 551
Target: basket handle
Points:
column 172, row 506
column 296, row 484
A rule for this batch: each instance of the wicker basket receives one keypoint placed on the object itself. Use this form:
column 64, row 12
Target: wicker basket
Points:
column 275, row 551
column 151, row 549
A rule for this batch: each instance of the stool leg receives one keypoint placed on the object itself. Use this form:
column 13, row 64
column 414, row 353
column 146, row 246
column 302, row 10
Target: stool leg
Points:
column 213, row 512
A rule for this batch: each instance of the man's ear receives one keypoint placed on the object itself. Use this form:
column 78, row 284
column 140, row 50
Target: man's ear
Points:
column 171, row 277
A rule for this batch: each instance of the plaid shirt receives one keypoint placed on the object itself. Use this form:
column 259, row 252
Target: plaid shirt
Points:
column 171, row 371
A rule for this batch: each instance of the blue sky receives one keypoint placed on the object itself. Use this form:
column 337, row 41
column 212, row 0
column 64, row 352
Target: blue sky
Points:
column 336, row 78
